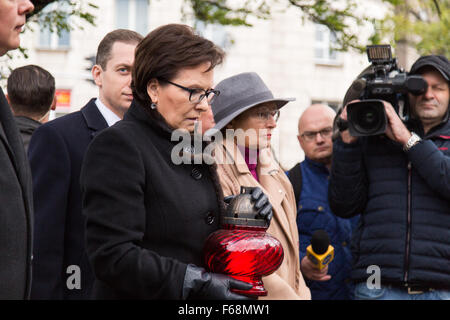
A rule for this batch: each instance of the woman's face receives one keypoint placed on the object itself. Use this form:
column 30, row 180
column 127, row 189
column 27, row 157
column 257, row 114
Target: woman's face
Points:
column 253, row 128
column 173, row 103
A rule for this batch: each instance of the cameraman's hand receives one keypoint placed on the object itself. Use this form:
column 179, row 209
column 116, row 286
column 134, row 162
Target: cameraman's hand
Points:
column 345, row 135
column 396, row 129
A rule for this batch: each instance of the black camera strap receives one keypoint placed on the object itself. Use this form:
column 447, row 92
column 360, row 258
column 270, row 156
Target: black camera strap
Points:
column 295, row 176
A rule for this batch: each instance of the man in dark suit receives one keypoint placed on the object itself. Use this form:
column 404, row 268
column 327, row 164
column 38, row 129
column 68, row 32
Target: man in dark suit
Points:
column 16, row 205
column 31, row 95
column 56, row 151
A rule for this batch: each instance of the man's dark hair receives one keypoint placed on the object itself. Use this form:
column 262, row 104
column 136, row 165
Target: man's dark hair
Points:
column 31, row 90
column 165, row 51
column 105, row 46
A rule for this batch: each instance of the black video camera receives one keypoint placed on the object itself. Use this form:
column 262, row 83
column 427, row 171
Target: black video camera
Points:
column 383, row 80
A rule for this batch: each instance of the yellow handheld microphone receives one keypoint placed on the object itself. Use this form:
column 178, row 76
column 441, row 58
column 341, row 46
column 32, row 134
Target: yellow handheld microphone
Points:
column 320, row 252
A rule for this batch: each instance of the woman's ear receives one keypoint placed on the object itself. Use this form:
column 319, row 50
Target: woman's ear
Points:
column 153, row 90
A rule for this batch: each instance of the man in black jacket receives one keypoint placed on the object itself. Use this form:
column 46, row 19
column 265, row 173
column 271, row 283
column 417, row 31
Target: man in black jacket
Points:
column 16, row 207
column 31, row 94
column 400, row 181
column 57, row 148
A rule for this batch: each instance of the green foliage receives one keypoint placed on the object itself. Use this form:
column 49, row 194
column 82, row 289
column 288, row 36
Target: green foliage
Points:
column 55, row 14
column 423, row 23
column 337, row 17
column 434, row 29
column 437, row 36
column 218, row 11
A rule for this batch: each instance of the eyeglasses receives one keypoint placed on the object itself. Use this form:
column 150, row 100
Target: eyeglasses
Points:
column 311, row 135
column 197, row 95
column 265, row 115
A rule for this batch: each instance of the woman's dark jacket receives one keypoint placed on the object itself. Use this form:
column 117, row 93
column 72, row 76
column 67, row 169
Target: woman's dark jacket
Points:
column 405, row 203
column 147, row 218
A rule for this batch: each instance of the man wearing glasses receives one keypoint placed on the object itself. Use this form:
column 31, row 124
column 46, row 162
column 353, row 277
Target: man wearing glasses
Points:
column 310, row 181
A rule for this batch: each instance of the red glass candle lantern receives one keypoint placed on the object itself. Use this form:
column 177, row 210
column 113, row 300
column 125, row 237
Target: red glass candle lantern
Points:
column 242, row 249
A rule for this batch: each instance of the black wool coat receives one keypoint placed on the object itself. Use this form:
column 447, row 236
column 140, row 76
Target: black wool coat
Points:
column 147, row 218
column 16, row 209
column 56, row 154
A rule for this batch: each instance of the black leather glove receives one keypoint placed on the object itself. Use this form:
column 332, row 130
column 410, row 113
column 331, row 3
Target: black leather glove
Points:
column 199, row 284
column 262, row 204
column 228, row 199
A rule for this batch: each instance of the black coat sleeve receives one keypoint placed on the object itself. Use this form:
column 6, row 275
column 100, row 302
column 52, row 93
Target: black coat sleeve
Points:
column 51, row 167
column 433, row 166
column 113, row 183
column 348, row 187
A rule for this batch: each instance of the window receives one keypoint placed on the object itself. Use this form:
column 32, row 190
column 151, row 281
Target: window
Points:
column 133, row 15
column 122, row 14
column 51, row 39
column 213, row 32
column 324, row 40
column 142, row 16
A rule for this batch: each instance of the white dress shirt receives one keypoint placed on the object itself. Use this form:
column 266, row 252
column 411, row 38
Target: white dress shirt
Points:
column 109, row 116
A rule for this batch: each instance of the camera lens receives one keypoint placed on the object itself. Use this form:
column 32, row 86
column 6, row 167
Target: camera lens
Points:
column 368, row 118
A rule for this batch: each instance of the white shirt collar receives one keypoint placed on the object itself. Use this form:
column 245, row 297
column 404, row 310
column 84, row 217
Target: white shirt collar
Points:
column 110, row 117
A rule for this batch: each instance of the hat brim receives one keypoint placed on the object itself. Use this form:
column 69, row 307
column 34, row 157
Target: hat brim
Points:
column 222, row 123
column 433, row 64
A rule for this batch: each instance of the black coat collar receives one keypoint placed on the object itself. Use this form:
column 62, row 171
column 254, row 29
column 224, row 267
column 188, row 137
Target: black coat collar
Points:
column 93, row 117
column 150, row 117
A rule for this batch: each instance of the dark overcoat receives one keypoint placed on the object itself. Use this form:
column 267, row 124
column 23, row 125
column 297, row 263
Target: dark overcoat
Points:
column 26, row 127
column 56, row 153
column 16, row 210
column 147, row 217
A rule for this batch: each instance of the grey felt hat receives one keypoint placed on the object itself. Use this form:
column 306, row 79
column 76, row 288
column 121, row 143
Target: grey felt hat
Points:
column 238, row 94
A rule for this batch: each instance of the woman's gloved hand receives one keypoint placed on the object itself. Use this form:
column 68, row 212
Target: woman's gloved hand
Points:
column 199, row 284
column 261, row 203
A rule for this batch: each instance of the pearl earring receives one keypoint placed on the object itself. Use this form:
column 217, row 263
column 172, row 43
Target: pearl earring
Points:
column 153, row 106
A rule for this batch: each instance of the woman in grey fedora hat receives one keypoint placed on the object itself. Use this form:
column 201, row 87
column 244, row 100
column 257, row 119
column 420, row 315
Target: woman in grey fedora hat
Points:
column 246, row 113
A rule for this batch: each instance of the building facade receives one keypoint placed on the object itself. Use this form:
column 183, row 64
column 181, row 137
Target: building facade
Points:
column 293, row 58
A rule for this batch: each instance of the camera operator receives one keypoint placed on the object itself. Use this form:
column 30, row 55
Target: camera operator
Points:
column 400, row 181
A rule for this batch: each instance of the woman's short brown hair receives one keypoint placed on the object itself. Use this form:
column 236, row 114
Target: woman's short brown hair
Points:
column 165, row 51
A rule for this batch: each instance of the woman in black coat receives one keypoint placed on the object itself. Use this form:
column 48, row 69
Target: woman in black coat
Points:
column 147, row 215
